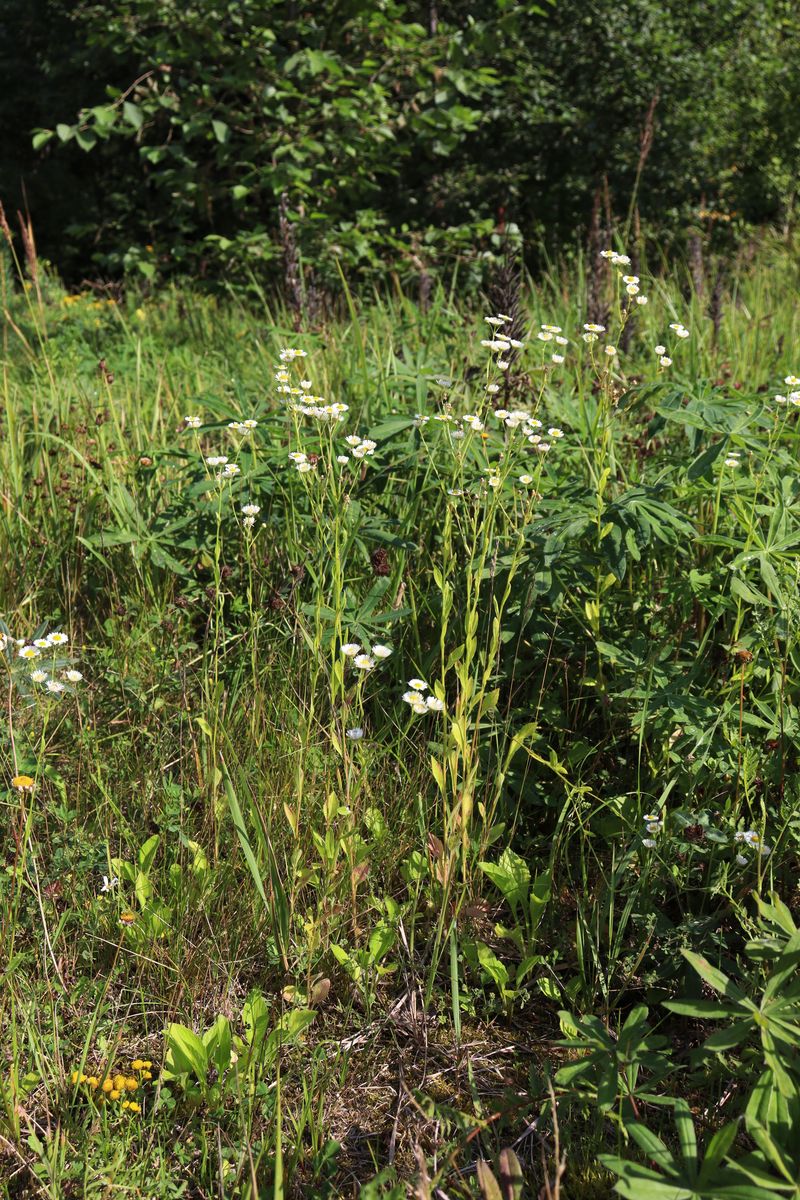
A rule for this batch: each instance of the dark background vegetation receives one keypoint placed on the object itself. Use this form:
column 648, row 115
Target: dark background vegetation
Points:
column 159, row 136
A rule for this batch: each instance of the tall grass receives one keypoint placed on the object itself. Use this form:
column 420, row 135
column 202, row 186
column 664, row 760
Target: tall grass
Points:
column 605, row 632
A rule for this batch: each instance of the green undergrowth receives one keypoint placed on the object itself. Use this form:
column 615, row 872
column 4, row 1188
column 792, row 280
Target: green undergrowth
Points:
column 415, row 789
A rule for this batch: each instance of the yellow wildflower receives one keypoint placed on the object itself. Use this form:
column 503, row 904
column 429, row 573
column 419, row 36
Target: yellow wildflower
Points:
column 23, row 783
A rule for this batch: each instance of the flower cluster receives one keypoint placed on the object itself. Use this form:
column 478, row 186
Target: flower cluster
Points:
column 250, row 512
column 113, row 1085
column 752, row 841
column 420, row 702
column 359, row 448
column 653, row 824
column 243, row 427
column 55, row 669
column 629, row 282
column 365, row 660
column 791, row 397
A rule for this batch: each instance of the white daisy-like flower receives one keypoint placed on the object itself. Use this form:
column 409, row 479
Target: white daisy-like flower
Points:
column 526, row 479
column 29, row 652
column 641, row 299
column 660, row 349
column 230, row 470
column 781, row 400
column 413, row 697
column 282, row 376
column 342, row 459
column 418, row 685
column 557, row 359
column 542, row 447
column 792, row 381
column 364, row 662
column 562, row 341
column 503, row 364
column 534, row 423
column 350, row 649
column 494, row 481
column 676, row 325
column 73, row 676
column 607, row 253
column 493, row 388
column 741, row 860
column 649, row 843
column 682, row 333
column 43, row 643
column 193, row 422
column 419, row 709
column 495, row 320
column 353, row 439
column 434, row 704
column 53, row 685
column 555, row 432
column 305, row 384
column 288, row 355
column 632, row 289
column 630, row 278
column 39, row 676
column 298, row 456
column 732, row 462
column 495, row 345
column 534, row 439
column 589, row 337
column 355, row 734
column 249, row 522
column 592, row 328
column 368, row 445
column 545, row 336
column 665, row 360
column 217, row 460
column 551, row 328
column 251, row 510
column 455, row 491
column 620, row 260
column 109, row 883
column 381, row 651
column 610, row 350
column 305, row 467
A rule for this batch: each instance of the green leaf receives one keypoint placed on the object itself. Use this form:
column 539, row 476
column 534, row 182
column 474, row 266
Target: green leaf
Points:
column 133, row 114
column 186, row 1054
column 221, row 131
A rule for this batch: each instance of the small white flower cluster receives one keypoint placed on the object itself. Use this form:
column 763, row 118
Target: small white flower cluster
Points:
column 359, row 448
column 243, row 427
column 750, row 839
column 500, row 343
column 793, row 398
column 315, row 406
column 302, row 462
column 419, row 702
column 290, row 355
column 591, row 331
column 365, row 660
column 250, row 511
column 733, row 459
column 630, row 282
column 681, row 332
column 229, row 470
column 552, row 333
column 193, row 422
column 49, row 649
column 653, row 824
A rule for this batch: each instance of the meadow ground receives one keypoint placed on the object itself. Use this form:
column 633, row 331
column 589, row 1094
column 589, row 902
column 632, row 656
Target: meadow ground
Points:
column 399, row 753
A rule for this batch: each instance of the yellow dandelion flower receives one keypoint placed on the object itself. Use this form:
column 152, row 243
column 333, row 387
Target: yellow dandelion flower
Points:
column 146, row 1075
column 93, row 1081
column 23, row 783
column 134, row 1107
column 113, row 1095
column 119, row 1082
column 76, row 1076
column 147, row 1064
column 107, row 1085
column 131, row 1084
column 126, row 1103
column 137, row 1064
